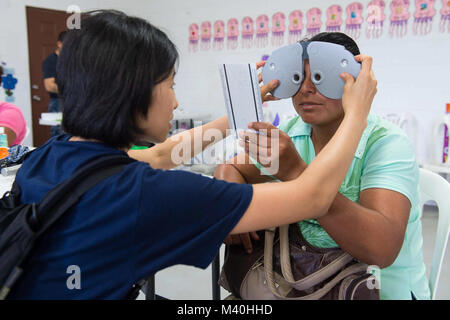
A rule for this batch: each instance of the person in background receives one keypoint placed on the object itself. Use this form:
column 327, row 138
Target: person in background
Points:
column 375, row 215
column 11, row 118
column 49, row 76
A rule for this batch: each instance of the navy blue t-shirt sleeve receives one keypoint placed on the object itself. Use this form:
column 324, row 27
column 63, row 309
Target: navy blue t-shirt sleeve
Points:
column 49, row 66
column 184, row 218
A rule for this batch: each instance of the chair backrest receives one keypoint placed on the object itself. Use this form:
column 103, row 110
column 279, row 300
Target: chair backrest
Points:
column 434, row 187
column 407, row 122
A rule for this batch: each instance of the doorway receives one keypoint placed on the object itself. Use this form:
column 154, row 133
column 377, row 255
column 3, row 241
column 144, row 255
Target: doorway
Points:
column 44, row 26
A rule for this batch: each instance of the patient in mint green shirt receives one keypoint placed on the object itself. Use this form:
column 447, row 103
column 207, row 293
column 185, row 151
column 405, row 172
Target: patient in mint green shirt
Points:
column 375, row 217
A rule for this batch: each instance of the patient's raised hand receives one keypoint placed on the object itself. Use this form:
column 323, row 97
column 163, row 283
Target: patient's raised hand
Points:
column 274, row 149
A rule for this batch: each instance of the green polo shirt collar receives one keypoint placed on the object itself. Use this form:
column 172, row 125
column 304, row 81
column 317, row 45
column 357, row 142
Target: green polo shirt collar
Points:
column 300, row 128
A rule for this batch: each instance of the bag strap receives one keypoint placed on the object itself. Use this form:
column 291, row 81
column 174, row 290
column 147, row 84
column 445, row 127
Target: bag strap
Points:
column 61, row 198
column 314, row 278
column 286, row 268
column 268, row 269
column 15, row 189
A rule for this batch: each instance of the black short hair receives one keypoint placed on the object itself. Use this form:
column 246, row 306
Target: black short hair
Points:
column 106, row 73
column 61, row 36
column 1, row 73
column 338, row 38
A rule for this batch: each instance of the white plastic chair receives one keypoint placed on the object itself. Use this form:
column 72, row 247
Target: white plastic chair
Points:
column 407, row 122
column 434, row 187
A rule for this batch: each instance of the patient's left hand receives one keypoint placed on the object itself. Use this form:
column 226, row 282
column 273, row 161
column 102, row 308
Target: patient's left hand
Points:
column 266, row 88
column 264, row 148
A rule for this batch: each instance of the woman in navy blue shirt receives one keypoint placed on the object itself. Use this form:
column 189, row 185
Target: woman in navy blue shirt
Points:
column 116, row 78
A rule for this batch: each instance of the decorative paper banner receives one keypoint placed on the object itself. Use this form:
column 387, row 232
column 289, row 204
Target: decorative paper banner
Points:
column 193, row 37
column 313, row 22
column 232, row 33
column 375, row 18
column 219, row 35
column 334, row 18
column 278, row 29
column 423, row 17
column 444, row 24
column 262, row 31
column 295, row 26
column 399, row 18
column 257, row 32
column 354, row 19
column 205, row 36
column 247, row 33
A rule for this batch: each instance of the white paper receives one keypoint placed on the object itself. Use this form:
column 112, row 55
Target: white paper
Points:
column 242, row 95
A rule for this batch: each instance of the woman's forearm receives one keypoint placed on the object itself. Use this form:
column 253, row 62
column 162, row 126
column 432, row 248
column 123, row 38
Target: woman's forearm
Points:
column 229, row 173
column 183, row 146
column 311, row 194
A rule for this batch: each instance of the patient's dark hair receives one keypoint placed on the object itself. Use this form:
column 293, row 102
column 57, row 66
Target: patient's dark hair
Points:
column 106, row 73
column 338, row 38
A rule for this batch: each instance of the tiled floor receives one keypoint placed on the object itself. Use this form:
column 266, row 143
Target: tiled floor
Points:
column 183, row 282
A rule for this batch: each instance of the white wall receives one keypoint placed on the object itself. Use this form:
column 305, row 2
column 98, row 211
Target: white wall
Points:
column 14, row 40
column 412, row 71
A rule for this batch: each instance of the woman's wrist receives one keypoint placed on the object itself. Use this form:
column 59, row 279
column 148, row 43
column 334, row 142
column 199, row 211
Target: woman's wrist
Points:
column 357, row 121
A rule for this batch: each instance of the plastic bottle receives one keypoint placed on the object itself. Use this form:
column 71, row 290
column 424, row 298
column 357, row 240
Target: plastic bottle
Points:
column 3, row 144
column 446, row 138
column 3, row 138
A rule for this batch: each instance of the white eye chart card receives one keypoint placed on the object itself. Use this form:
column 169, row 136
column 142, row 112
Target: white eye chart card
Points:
column 242, row 95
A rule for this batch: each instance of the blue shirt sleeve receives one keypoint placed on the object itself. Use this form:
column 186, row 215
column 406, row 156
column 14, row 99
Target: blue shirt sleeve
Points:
column 184, row 218
column 49, row 67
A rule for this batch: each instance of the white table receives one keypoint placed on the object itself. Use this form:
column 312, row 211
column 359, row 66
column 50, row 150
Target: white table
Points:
column 44, row 122
column 50, row 119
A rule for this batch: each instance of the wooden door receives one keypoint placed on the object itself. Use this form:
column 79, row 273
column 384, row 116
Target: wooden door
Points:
column 44, row 26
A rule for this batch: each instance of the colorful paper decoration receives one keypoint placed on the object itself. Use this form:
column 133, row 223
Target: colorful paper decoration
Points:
column 444, row 24
column 399, row 18
column 193, row 37
column 313, row 22
column 375, row 18
column 423, row 17
column 295, row 26
column 247, row 33
column 9, row 84
column 219, row 35
column 205, row 36
column 278, row 29
column 257, row 32
column 334, row 18
column 262, row 31
column 232, row 33
column 354, row 19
